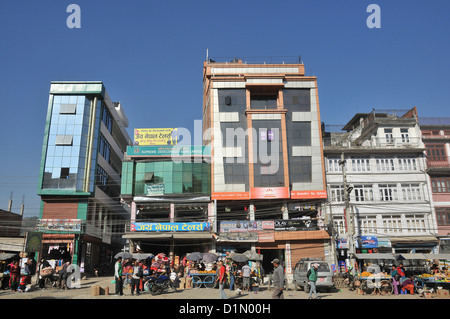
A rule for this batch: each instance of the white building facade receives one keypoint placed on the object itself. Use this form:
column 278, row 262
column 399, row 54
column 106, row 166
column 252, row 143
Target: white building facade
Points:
column 389, row 193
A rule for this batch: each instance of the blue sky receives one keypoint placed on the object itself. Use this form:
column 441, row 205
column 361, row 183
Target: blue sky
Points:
column 150, row 55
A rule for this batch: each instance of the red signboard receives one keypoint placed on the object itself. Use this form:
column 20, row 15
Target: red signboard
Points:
column 308, row 194
column 269, row 192
column 230, row 196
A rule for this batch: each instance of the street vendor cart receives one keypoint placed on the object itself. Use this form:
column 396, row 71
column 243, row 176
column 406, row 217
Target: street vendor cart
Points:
column 203, row 278
column 375, row 283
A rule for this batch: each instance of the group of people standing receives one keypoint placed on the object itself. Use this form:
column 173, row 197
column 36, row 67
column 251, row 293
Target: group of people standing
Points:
column 19, row 280
column 277, row 278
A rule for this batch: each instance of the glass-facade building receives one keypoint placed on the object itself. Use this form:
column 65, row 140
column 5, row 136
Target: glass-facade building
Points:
column 167, row 193
column 85, row 139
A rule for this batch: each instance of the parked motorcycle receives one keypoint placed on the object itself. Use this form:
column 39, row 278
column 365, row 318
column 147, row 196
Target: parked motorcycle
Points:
column 158, row 284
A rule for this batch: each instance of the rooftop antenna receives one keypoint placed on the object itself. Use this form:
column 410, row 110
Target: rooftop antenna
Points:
column 10, row 202
column 22, row 207
column 207, row 55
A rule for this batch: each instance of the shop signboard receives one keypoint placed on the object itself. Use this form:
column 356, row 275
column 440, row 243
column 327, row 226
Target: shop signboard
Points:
column 342, row 243
column 169, row 227
column 288, row 258
column 266, row 236
column 367, row 242
column 230, row 195
column 155, row 136
column 168, row 151
column 154, row 189
column 269, row 192
column 33, row 242
column 59, row 225
column 241, row 226
column 309, row 194
column 295, row 224
column 238, row 237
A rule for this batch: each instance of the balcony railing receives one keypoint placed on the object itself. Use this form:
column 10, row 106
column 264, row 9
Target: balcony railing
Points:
column 375, row 143
column 443, row 162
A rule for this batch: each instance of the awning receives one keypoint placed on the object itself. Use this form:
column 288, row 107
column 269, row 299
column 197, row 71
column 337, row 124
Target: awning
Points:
column 411, row 256
column 438, row 256
column 375, row 256
column 5, row 256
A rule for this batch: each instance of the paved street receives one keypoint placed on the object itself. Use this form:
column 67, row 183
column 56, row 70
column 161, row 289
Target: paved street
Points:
column 185, row 294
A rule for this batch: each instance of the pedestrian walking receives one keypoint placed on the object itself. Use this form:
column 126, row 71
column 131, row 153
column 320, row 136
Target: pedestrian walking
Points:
column 278, row 280
column 222, row 278
column 14, row 273
column 233, row 272
column 246, row 272
column 312, row 277
column 136, row 278
column 118, row 276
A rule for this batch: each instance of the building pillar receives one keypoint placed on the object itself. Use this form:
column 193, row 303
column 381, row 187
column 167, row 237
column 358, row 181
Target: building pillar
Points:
column 285, row 211
column 133, row 212
column 172, row 212
column 251, row 210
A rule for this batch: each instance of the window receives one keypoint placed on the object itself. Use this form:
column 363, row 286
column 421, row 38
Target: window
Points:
column 337, row 193
column 368, row 224
column 384, row 164
column 105, row 149
column 297, row 100
column 67, row 108
column 415, row 223
column 360, row 164
column 411, row 192
column 436, row 152
column 407, row 163
column 266, row 101
column 443, row 216
column 389, row 136
column 63, row 140
column 333, row 164
column 102, row 176
column 440, row 184
column 404, row 133
column 392, row 224
column 388, row 192
column 363, row 193
column 64, row 172
column 106, row 118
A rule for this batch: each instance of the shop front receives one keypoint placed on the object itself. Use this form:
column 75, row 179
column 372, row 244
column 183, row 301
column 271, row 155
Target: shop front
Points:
column 175, row 240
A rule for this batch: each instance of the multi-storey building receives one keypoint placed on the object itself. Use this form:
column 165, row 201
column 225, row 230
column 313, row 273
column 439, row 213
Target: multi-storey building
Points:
column 79, row 183
column 262, row 122
column 385, row 172
column 436, row 136
column 168, row 190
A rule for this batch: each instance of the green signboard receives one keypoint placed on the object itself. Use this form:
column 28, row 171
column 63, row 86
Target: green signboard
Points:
column 168, row 150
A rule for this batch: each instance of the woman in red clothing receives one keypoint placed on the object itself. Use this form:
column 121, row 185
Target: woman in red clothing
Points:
column 14, row 275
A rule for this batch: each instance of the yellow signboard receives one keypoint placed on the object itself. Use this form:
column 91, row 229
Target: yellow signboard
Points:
column 155, row 136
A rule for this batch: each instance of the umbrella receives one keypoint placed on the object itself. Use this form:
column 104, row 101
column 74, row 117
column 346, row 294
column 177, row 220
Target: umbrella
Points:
column 194, row 256
column 142, row 256
column 124, row 255
column 252, row 255
column 209, row 257
column 240, row 258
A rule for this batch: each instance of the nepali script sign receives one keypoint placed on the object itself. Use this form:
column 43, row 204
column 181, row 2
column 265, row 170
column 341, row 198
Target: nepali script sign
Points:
column 170, row 227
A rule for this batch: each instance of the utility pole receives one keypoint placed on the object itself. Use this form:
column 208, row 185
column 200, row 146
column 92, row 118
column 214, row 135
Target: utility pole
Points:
column 347, row 210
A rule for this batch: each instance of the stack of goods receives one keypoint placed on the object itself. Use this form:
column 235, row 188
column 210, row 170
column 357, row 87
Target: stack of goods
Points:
column 160, row 263
column 47, row 271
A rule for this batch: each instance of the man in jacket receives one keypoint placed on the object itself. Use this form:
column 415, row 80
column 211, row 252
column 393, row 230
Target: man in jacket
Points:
column 312, row 277
column 136, row 278
column 278, row 280
column 118, row 276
